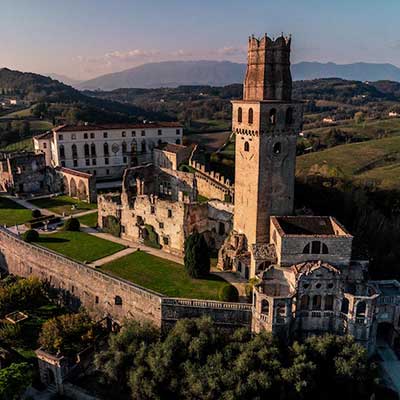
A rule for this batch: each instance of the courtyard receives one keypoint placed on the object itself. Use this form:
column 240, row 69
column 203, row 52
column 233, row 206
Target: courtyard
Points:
column 79, row 246
column 63, row 205
column 164, row 276
column 12, row 213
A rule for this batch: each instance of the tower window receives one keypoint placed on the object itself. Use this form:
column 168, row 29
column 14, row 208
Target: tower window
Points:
column 250, row 116
column 178, row 141
column 272, row 117
column 277, row 148
column 240, row 114
column 246, row 146
column 289, row 116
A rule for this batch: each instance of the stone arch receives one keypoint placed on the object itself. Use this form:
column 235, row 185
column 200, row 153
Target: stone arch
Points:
column 329, row 300
column 304, row 302
column 72, row 188
column 316, row 302
column 265, row 306
column 82, row 192
column 65, row 186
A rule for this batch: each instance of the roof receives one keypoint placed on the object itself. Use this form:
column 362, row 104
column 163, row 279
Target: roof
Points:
column 172, row 148
column 95, row 127
column 46, row 135
column 308, row 225
column 74, row 172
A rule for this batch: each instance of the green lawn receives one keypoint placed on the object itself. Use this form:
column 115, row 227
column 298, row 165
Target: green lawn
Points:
column 63, row 204
column 89, row 219
column 79, row 246
column 12, row 213
column 163, row 276
column 24, row 144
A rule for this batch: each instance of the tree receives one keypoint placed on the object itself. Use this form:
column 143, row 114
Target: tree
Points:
column 228, row 293
column 197, row 257
column 36, row 213
column 67, row 334
column 359, row 117
column 72, row 224
column 14, row 380
column 31, row 236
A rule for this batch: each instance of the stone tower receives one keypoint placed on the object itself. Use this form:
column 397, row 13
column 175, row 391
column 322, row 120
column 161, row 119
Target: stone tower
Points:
column 266, row 123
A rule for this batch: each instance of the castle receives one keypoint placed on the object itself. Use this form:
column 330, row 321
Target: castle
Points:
column 306, row 280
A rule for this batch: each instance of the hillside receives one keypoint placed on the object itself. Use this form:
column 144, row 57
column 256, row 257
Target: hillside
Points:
column 221, row 73
column 34, row 88
column 373, row 162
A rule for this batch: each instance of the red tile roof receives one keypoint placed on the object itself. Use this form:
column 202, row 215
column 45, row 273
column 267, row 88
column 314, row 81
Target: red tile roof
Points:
column 105, row 127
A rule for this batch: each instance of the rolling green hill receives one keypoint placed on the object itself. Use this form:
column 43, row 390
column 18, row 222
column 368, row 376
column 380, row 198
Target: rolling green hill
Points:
column 372, row 161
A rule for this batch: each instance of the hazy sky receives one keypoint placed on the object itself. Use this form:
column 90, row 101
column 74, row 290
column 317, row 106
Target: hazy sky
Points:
column 86, row 38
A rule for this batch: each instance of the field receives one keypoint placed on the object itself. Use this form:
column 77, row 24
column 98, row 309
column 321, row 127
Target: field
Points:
column 89, row 219
column 79, row 246
column 25, row 144
column 63, row 204
column 371, row 160
column 12, row 213
column 163, row 276
column 26, row 112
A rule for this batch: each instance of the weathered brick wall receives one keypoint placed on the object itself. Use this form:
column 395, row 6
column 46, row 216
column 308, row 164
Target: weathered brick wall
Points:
column 97, row 291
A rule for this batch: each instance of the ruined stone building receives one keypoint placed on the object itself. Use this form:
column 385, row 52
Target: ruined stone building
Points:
column 105, row 150
column 164, row 201
column 306, row 279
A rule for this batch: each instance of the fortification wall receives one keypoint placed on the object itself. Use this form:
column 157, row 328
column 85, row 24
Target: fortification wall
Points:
column 81, row 285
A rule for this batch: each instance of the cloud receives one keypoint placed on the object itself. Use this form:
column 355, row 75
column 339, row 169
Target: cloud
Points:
column 232, row 51
column 131, row 54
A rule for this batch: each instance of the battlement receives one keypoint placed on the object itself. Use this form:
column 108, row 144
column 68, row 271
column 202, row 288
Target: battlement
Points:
column 281, row 42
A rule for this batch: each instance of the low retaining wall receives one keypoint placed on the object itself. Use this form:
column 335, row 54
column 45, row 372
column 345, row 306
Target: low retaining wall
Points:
column 102, row 295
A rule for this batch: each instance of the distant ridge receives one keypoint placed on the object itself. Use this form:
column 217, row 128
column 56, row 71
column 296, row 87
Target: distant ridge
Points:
column 221, row 73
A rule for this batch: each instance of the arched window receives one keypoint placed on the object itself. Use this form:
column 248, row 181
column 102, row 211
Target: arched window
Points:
column 345, row 306
column 93, row 150
column 280, row 313
column 143, row 147
column 106, row 149
column 329, row 302
column 133, row 147
column 265, row 307
column 361, row 309
column 250, row 116
column 315, row 247
column 304, row 302
column 277, row 148
column 272, row 117
column 306, row 249
column 324, row 249
column 62, row 151
column 240, row 114
column 118, row 301
column 86, row 149
column 178, row 141
column 74, row 151
column 316, row 302
column 246, row 146
column 289, row 116
column 124, row 147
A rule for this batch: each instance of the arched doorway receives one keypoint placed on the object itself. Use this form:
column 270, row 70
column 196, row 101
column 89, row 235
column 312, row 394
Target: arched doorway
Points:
column 82, row 193
column 72, row 188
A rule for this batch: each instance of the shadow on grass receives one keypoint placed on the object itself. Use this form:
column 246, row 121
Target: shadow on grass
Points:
column 51, row 240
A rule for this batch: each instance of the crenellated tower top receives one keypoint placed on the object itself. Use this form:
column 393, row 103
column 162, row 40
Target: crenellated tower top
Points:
column 268, row 74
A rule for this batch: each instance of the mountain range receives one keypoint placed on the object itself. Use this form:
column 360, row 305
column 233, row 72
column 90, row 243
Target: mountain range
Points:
column 221, row 73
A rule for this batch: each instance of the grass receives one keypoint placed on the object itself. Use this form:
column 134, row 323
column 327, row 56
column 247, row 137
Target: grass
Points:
column 26, row 112
column 24, row 144
column 89, row 219
column 163, row 276
column 347, row 160
column 79, row 246
column 11, row 213
column 63, row 204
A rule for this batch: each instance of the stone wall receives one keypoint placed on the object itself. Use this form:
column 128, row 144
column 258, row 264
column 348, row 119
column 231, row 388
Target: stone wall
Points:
column 81, row 285
column 212, row 184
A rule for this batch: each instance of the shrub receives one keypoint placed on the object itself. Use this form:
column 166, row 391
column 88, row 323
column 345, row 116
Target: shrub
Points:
column 31, row 236
column 150, row 237
column 228, row 293
column 197, row 256
column 112, row 225
column 36, row 213
column 72, row 224
column 10, row 333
